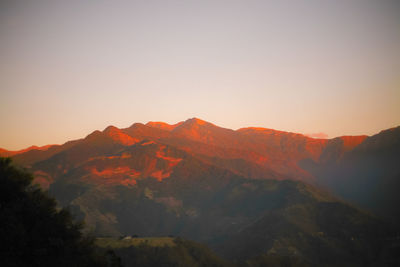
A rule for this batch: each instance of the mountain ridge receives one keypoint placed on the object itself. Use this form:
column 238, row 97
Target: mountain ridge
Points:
column 270, row 149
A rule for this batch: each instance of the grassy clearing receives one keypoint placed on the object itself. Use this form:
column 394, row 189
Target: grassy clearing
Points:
column 109, row 242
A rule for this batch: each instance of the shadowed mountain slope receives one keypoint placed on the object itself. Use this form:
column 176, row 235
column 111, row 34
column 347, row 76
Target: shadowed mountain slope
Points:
column 368, row 175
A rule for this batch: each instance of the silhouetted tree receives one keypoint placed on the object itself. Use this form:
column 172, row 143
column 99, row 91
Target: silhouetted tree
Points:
column 34, row 232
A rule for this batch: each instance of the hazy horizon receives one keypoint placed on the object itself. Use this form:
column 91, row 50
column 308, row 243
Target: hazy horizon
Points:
column 68, row 68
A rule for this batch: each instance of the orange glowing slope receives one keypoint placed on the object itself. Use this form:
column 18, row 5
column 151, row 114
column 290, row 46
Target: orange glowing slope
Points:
column 125, row 166
column 256, row 153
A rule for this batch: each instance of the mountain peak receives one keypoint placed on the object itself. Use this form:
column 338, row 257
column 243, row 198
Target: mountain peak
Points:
column 194, row 123
column 193, row 126
column 119, row 136
column 110, row 129
column 195, row 120
column 94, row 134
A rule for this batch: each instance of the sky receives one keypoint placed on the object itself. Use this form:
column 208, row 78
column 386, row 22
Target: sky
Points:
column 68, row 68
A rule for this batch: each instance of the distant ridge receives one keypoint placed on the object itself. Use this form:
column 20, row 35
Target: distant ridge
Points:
column 8, row 153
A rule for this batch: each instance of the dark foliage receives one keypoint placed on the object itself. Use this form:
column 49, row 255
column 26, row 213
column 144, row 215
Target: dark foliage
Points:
column 183, row 253
column 34, row 232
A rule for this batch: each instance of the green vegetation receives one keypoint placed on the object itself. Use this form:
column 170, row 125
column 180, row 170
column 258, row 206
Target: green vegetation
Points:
column 34, row 232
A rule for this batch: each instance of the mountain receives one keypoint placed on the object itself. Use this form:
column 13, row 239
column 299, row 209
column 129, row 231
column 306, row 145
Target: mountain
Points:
column 261, row 153
column 255, row 153
column 250, row 194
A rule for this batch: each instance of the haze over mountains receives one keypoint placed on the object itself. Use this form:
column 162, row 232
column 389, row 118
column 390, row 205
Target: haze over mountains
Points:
column 245, row 193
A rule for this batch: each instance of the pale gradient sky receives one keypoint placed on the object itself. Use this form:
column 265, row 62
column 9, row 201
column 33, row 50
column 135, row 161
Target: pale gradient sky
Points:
column 70, row 67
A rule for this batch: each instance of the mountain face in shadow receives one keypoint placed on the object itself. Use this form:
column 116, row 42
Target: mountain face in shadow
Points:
column 368, row 175
column 242, row 192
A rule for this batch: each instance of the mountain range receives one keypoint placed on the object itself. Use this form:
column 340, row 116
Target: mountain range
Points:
column 266, row 153
column 249, row 194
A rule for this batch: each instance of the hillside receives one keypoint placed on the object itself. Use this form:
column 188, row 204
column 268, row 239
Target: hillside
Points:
column 255, row 153
column 241, row 192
